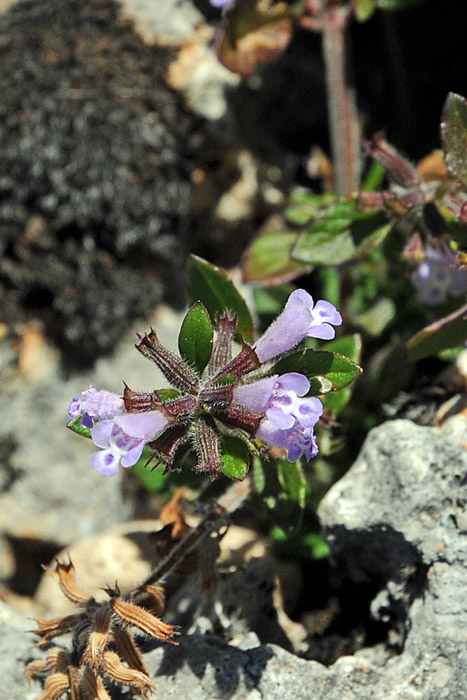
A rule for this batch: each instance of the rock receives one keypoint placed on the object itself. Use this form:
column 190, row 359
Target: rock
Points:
column 397, row 518
column 166, row 22
column 95, row 180
column 50, row 495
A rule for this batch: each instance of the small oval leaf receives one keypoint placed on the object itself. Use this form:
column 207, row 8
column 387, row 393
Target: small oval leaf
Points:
column 195, row 338
column 76, row 427
column 327, row 371
column 211, row 285
column 282, row 487
column 235, row 457
column 268, row 259
column 448, row 332
column 152, row 477
column 341, row 233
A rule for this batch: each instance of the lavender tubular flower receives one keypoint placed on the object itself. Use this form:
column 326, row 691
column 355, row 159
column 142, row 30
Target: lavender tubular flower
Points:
column 300, row 318
column 122, row 439
column 221, row 3
column 289, row 418
column 215, row 401
column 95, row 405
column 296, row 440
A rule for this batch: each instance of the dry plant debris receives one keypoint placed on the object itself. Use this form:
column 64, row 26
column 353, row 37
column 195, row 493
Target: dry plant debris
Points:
column 103, row 647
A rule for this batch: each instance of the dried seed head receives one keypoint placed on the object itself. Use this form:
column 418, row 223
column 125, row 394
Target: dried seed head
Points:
column 208, row 448
column 150, row 598
column 99, row 637
column 92, row 686
column 128, row 650
column 222, row 350
column 49, row 629
column 114, row 668
column 65, row 575
column 55, row 686
column 144, row 621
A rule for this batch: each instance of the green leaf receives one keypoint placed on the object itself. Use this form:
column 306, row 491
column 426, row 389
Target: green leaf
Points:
column 196, row 336
column 397, row 5
column 304, row 205
column 292, row 480
column 76, row 427
column 448, row 332
column 348, row 345
column 209, row 284
column 235, row 457
column 454, row 135
column 327, row 371
column 351, row 347
column 270, row 301
column 282, row 488
column 343, row 232
column 375, row 319
column 364, row 9
column 168, row 394
column 374, row 178
column 268, row 259
column 318, row 545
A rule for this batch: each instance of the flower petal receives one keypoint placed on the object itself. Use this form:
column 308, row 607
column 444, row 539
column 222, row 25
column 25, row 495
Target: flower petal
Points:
column 289, row 328
column 103, row 404
column 133, row 454
column 102, row 433
column 255, row 395
column 292, row 381
column 144, row 426
column 106, row 462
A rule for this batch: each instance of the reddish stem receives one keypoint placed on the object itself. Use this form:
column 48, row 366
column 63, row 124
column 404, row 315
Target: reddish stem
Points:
column 332, row 19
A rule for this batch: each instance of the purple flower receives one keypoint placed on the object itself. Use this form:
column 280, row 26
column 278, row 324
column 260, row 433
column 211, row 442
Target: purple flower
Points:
column 439, row 276
column 95, row 405
column 297, row 440
column 207, row 404
column 121, row 435
column 285, row 407
column 221, row 3
column 122, row 439
column 289, row 418
column 300, row 318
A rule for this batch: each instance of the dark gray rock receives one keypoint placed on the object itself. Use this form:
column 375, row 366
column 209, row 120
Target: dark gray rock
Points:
column 94, row 187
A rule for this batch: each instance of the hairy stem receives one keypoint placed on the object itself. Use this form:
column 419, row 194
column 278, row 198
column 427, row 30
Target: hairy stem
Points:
column 342, row 112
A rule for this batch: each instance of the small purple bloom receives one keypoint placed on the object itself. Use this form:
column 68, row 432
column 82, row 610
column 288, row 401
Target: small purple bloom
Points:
column 255, row 395
column 290, row 418
column 122, row 440
column 95, row 405
column 285, row 408
column 439, row 276
column 221, row 3
column 297, row 440
column 74, row 409
column 300, row 318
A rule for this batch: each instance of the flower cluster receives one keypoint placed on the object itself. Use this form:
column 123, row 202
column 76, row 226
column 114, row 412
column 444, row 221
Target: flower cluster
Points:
column 439, row 276
column 226, row 400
